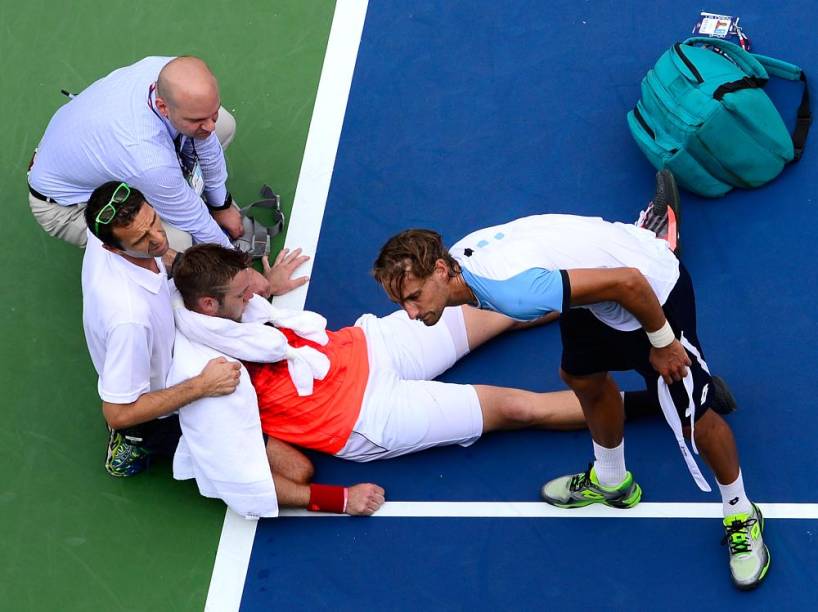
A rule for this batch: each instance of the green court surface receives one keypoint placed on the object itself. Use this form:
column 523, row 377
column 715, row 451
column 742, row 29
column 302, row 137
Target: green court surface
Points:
column 74, row 538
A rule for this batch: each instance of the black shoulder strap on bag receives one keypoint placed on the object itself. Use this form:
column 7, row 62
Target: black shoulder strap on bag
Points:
column 803, row 121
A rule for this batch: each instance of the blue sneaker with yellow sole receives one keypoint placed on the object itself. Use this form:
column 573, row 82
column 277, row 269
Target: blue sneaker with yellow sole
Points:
column 125, row 455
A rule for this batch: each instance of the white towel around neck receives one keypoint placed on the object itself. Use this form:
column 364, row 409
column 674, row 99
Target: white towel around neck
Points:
column 254, row 340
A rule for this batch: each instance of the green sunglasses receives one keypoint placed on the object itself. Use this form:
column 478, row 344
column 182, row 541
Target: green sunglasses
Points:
column 107, row 213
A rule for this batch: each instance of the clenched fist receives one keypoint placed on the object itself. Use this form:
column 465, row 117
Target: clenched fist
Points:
column 220, row 377
column 364, row 499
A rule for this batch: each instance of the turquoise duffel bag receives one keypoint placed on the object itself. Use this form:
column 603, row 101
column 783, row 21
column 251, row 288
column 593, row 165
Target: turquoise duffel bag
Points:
column 704, row 115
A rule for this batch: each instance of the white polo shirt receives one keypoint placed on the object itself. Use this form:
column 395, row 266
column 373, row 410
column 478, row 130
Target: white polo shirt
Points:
column 128, row 322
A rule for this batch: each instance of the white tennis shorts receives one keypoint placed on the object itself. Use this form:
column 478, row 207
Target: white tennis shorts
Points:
column 403, row 410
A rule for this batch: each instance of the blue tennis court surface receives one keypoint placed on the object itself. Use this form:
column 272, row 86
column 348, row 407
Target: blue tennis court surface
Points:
column 463, row 115
column 511, row 564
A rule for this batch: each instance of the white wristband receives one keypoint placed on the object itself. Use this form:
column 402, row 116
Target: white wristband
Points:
column 662, row 337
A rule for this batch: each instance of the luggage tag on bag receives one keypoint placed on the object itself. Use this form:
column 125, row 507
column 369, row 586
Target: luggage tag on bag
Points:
column 725, row 27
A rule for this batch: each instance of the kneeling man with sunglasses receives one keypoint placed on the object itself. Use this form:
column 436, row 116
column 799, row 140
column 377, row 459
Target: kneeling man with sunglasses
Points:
column 129, row 328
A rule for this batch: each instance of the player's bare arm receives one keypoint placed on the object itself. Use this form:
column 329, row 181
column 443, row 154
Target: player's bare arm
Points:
column 629, row 288
column 219, row 377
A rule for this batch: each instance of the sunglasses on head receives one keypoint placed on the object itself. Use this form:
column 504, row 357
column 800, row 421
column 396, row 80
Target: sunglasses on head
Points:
column 107, row 213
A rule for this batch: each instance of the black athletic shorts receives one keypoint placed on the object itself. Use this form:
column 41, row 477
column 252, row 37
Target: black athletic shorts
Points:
column 158, row 437
column 590, row 347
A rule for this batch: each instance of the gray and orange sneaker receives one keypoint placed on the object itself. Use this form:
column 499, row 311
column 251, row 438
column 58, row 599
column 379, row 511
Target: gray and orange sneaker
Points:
column 662, row 216
column 579, row 490
column 749, row 556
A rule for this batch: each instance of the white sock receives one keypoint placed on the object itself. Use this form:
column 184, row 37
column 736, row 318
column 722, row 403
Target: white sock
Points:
column 610, row 464
column 733, row 498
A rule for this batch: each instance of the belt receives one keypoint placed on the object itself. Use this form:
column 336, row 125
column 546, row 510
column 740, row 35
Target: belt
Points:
column 40, row 196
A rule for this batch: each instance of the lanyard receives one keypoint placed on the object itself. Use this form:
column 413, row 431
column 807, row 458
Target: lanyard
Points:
column 187, row 168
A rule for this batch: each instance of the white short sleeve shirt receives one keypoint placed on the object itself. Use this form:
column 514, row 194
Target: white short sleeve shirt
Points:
column 128, row 322
column 515, row 268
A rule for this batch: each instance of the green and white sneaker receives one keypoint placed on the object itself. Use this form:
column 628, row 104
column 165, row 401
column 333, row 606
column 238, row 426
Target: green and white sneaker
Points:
column 578, row 490
column 749, row 556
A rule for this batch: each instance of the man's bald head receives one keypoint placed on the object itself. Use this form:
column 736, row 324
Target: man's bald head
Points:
column 187, row 94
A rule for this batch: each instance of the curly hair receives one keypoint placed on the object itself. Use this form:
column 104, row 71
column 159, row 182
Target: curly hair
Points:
column 415, row 252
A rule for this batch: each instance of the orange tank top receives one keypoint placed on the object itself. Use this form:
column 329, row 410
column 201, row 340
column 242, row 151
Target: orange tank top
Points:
column 324, row 420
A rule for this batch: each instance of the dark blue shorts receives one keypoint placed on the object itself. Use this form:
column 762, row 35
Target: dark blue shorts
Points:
column 590, row 347
column 159, row 436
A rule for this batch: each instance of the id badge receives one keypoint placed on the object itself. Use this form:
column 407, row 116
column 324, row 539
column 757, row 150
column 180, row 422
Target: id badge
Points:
column 195, row 179
column 725, row 27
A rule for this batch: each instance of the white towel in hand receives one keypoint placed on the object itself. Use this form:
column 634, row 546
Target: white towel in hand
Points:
column 672, row 416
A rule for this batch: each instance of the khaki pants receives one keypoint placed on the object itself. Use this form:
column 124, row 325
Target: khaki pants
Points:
column 68, row 222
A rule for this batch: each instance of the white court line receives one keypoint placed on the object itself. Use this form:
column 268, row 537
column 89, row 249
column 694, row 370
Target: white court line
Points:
column 543, row 510
column 322, row 139
column 236, row 542
column 232, row 559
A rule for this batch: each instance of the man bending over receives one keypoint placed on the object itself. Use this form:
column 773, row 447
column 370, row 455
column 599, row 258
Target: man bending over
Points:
column 626, row 303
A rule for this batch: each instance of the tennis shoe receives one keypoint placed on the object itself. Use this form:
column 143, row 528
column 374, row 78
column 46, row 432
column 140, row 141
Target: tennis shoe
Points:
column 579, row 490
column 723, row 401
column 125, row 456
column 662, row 215
column 749, row 556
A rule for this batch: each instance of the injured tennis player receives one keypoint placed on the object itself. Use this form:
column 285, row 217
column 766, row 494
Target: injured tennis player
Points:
column 361, row 393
